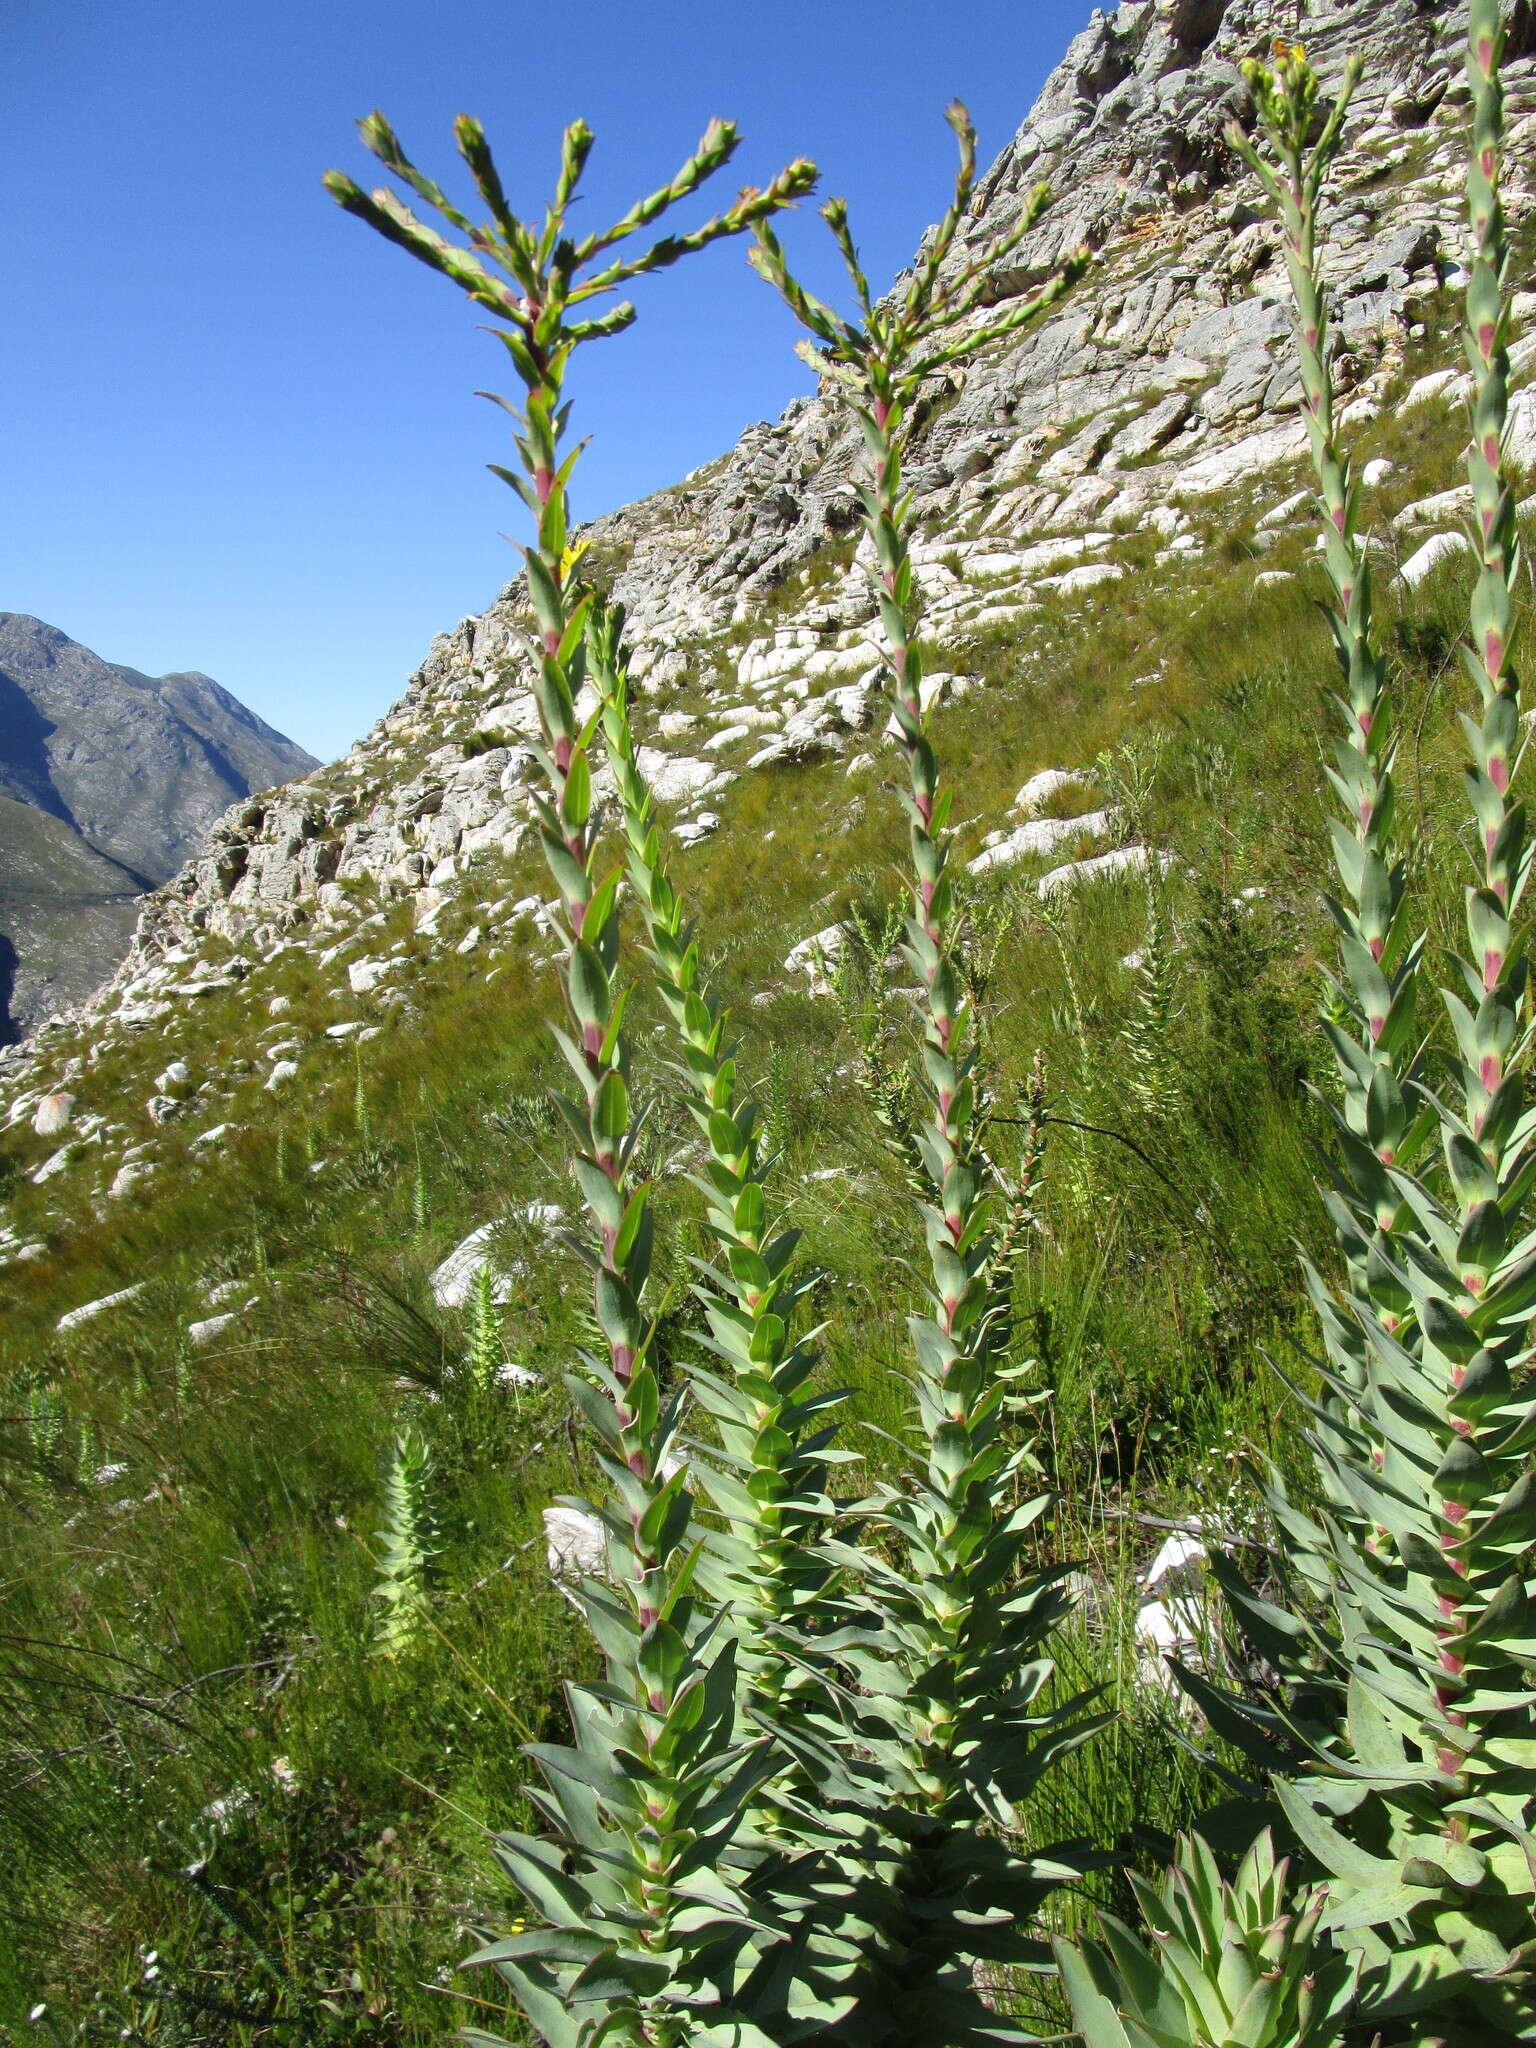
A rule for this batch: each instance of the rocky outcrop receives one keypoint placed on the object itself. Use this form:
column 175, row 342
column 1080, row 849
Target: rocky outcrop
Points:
column 1166, row 374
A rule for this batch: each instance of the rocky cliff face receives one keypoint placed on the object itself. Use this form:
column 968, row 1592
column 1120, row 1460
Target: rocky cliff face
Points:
column 1164, row 379
column 128, row 773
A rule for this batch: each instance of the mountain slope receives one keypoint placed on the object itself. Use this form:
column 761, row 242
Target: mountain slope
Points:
column 140, row 765
column 1060, row 473
column 66, row 912
column 232, row 1180
column 137, row 767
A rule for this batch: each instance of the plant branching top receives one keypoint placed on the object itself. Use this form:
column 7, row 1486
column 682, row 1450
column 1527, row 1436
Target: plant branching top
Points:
column 921, row 329
column 950, row 1681
column 544, row 273
column 642, row 1925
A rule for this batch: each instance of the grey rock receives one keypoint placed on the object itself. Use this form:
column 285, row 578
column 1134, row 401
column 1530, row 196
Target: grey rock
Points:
column 204, row 1332
column 454, row 1279
column 1152, row 429
column 89, row 1310
column 1125, row 860
column 363, row 976
column 575, row 1543
column 55, row 1113
column 1042, row 836
column 1048, row 783
column 1439, row 548
column 127, row 1177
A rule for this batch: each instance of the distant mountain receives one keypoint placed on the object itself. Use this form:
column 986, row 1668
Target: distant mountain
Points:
column 109, row 782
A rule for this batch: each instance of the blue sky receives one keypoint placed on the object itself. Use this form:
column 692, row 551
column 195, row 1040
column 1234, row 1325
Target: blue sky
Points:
column 241, row 434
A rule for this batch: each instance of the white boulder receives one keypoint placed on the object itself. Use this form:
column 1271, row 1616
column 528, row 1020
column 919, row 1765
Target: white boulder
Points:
column 365, row 975
column 454, row 1279
column 89, row 1310
column 1176, row 1555
column 673, row 776
column 816, row 956
column 54, row 1163
column 1125, row 860
column 209, row 1328
column 1039, row 790
column 55, row 1113
column 1088, row 576
column 1452, row 504
column 692, row 830
column 1446, row 384
column 1288, row 509
column 1040, row 836
column 575, row 1543
column 1440, row 547
column 1171, row 1622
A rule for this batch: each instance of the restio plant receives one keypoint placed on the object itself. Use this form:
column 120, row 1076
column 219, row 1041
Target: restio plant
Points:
column 800, row 1800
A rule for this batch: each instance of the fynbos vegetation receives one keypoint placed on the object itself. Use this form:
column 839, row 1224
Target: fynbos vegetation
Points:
column 778, row 1656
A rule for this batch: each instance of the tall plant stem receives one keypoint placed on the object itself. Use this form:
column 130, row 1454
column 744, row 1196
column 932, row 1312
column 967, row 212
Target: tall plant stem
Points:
column 642, row 1928
column 950, row 1664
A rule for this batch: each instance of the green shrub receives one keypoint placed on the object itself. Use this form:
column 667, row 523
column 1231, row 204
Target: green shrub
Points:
column 1398, row 1618
column 224, row 1816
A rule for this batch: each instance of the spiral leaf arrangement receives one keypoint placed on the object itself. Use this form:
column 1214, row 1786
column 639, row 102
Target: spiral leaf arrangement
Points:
column 644, row 1923
column 765, row 1567
column 1403, row 1638
column 951, row 1664
column 1229, row 1962
column 792, row 1804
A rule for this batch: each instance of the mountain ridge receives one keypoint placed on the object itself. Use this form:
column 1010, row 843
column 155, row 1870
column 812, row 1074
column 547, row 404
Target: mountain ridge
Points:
column 137, row 767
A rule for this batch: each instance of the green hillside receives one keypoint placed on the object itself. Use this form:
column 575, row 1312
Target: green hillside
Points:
column 224, row 1771
column 288, row 1298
